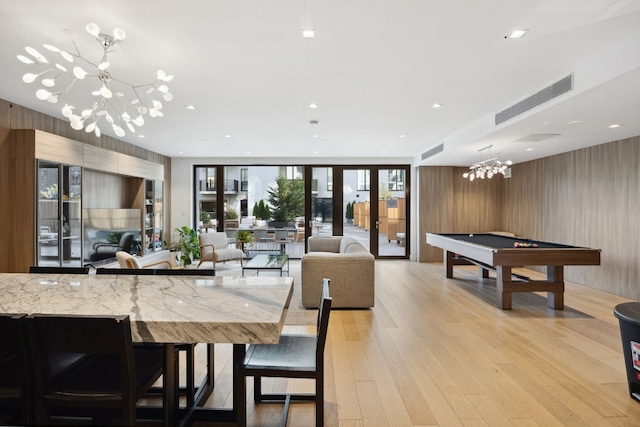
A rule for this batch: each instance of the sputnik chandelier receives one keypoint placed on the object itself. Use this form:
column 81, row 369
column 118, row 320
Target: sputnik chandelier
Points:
column 488, row 168
column 111, row 104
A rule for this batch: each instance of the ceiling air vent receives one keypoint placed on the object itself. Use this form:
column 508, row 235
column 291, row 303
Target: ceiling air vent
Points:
column 547, row 94
column 432, row 152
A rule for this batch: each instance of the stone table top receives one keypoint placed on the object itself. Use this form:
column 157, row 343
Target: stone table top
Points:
column 170, row 309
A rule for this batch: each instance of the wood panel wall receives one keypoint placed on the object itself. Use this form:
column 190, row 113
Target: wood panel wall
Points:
column 588, row 197
column 450, row 203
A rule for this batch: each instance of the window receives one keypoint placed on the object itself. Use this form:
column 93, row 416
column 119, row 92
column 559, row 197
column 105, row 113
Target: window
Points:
column 396, row 179
column 363, row 180
column 329, row 179
column 293, row 173
column 244, row 179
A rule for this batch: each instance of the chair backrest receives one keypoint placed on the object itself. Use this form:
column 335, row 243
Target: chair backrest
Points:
column 127, row 271
column 259, row 233
column 126, row 260
column 14, row 371
column 218, row 239
column 126, row 241
column 109, row 337
column 231, row 232
column 61, row 270
column 324, row 310
column 281, row 233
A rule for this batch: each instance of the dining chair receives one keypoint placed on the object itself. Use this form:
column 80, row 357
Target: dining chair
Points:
column 42, row 269
column 14, row 372
column 295, row 356
column 188, row 348
column 104, row 385
column 261, row 235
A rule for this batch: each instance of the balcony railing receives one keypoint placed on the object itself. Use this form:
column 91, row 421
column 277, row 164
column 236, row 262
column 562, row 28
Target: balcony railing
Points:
column 209, row 186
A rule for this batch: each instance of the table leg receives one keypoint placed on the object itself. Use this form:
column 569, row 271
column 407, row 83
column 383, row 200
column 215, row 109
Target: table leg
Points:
column 555, row 275
column 504, row 298
column 239, row 386
column 448, row 264
column 170, row 385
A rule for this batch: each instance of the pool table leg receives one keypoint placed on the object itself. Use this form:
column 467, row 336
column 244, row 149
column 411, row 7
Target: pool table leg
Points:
column 504, row 298
column 448, row 264
column 555, row 275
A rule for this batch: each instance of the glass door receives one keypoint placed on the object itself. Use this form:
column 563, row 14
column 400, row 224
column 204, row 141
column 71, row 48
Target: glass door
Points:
column 392, row 224
column 375, row 209
column 59, row 219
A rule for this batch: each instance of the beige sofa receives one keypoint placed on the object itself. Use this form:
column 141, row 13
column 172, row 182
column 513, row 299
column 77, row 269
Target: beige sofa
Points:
column 347, row 263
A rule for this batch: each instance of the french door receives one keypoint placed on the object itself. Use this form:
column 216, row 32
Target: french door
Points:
column 368, row 203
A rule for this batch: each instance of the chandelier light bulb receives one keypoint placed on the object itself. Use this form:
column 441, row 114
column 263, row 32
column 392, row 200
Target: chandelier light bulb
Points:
column 140, row 98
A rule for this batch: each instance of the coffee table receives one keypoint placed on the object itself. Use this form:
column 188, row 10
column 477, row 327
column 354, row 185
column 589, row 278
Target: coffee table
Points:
column 267, row 262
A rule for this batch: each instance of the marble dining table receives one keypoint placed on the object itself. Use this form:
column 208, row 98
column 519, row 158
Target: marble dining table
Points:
column 168, row 310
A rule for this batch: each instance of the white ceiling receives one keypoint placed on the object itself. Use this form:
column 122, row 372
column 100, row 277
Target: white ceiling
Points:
column 375, row 68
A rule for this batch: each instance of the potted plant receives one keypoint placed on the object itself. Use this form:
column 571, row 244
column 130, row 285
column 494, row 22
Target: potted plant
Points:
column 349, row 212
column 188, row 243
column 204, row 218
column 175, row 253
column 243, row 237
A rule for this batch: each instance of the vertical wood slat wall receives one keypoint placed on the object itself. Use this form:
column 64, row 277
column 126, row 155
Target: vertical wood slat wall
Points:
column 589, row 197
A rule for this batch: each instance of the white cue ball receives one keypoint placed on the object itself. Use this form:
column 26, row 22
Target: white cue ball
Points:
column 470, row 235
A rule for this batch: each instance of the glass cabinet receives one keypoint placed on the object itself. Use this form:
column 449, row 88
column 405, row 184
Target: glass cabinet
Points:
column 153, row 216
column 59, row 215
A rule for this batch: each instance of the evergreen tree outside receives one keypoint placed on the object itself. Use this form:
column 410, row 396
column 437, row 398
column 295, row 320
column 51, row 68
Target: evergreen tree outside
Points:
column 286, row 199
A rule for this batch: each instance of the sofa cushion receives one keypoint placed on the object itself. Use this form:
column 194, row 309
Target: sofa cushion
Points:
column 345, row 242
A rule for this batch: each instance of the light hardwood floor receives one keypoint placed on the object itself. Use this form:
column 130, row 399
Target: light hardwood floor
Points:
column 438, row 352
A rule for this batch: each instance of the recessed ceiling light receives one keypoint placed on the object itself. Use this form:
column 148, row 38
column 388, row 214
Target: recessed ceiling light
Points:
column 180, row 152
column 436, row 105
column 248, row 152
column 529, row 149
column 517, row 34
column 190, row 107
column 140, row 136
column 308, row 34
column 315, row 152
column 313, row 105
column 403, row 136
column 227, row 136
column 573, row 122
column 314, row 136
column 615, row 125
column 384, row 151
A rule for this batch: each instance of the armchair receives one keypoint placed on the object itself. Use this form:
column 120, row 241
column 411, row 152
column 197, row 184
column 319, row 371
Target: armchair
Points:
column 214, row 247
column 126, row 260
column 104, row 251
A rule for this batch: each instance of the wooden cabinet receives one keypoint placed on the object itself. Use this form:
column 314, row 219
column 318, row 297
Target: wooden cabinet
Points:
column 38, row 228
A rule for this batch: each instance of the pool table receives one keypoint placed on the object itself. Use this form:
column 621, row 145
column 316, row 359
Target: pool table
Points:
column 497, row 252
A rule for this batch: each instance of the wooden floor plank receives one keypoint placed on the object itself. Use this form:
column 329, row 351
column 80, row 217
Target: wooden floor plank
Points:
column 437, row 351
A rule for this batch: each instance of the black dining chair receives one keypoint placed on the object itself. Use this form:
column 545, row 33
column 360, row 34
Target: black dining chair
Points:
column 42, row 269
column 14, row 372
column 188, row 348
column 103, row 385
column 295, row 356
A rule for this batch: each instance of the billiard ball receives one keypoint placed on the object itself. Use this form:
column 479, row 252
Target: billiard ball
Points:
column 470, row 235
